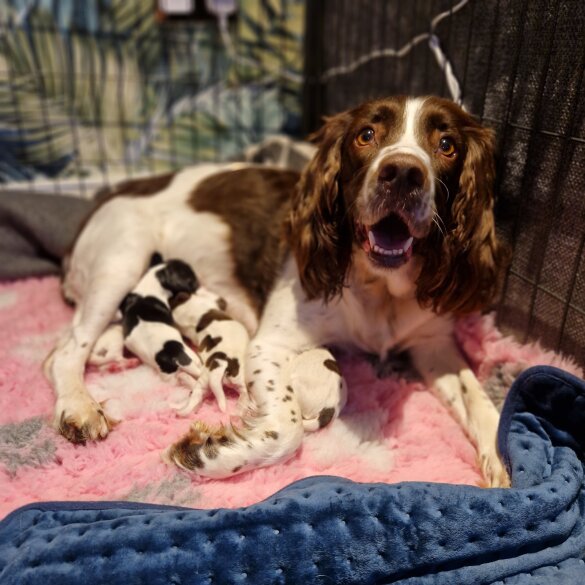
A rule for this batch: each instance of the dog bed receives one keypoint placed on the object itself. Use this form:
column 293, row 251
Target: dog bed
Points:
column 391, row 430
column 331, row 530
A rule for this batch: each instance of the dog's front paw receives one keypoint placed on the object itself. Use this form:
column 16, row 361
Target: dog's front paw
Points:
column 81, row 419
column 493, row 471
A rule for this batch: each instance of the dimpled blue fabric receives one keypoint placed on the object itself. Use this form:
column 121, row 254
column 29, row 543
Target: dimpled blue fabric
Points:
column 333, row 531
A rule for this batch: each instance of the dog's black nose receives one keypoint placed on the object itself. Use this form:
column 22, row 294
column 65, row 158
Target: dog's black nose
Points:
column 402, row 172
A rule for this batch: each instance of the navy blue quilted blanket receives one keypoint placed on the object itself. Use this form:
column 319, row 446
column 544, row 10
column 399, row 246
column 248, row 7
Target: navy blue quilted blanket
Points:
column 333, row 531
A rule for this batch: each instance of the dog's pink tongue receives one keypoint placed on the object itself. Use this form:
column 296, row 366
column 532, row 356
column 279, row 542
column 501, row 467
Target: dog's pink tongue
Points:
column 391, row 233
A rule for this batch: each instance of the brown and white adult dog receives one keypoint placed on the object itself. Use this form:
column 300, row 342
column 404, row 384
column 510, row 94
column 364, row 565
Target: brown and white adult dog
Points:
column 392, row 236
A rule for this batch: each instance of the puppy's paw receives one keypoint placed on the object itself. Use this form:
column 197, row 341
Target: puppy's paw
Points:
column 195, row 398
column 493, row 471
column 109, row 348
column 81, row 419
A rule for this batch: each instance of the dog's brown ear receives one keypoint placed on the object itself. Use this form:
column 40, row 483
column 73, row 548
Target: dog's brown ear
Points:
column 319, row 229
column 465, row 275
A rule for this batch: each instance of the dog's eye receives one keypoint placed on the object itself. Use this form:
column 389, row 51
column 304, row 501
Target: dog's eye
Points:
column 447, row 147
column 365, row 137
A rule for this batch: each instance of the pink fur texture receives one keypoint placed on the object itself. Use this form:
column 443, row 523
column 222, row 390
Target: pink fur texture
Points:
column 392, row 429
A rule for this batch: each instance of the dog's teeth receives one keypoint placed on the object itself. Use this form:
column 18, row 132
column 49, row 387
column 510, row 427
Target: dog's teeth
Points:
column 394, row 252
column 372, row 239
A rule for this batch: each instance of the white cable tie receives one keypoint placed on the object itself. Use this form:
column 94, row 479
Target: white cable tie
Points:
column 389, row 52
column 445, row 65
column 375, row 54
column 447, row 13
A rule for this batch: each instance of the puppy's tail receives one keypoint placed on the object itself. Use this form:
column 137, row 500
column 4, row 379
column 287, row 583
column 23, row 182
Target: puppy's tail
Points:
column 264, row 438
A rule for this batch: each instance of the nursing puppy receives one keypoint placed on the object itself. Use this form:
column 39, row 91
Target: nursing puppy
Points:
column 221, row 342
column 149, row 330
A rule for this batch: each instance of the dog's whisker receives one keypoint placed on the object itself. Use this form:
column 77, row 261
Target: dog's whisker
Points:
column 445, row 186
column 436, row 219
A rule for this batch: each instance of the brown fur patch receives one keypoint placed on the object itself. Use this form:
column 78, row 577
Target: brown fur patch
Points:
column 251, row 201
column 233, row 368
column 187, row 452
column 326, row 416
column 209, row 317
column 130, row 187
column 210, row 449
column 135, row 187
column 271, row 435
column 178, row 299
column 209, row 342
column 233, row 364
column 333, row 366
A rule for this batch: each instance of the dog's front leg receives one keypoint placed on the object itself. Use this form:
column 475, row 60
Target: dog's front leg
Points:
column 446, row 372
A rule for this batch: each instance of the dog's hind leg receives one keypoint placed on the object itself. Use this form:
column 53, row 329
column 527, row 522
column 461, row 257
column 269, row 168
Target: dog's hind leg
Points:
column 78, row 416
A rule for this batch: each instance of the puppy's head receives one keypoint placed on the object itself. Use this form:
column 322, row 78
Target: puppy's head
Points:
column 177, row 277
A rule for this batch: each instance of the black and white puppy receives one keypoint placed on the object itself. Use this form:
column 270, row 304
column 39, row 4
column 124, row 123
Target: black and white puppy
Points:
column 149, row 330
column 221, row 342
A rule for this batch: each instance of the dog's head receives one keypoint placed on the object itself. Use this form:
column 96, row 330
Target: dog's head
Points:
column 394, row 178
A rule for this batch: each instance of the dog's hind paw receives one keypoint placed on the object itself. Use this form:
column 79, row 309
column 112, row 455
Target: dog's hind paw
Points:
column 81, row 419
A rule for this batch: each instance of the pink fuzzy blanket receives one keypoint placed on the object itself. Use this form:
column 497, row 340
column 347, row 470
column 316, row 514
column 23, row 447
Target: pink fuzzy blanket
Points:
column 391, row 429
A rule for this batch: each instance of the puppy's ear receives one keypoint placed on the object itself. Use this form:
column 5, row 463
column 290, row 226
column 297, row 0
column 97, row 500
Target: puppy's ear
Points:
column 177, row 277
column 319, row 229
column 128, row 302
column 178, row 299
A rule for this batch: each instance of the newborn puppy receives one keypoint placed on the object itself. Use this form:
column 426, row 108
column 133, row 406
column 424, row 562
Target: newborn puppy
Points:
column 149, row 330
column 221, row 342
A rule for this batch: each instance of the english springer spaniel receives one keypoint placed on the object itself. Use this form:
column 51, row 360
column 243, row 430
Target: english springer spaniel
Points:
column 385, row 238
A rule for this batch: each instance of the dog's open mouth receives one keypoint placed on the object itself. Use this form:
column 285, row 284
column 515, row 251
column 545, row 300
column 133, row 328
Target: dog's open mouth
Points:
column 388, row 242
